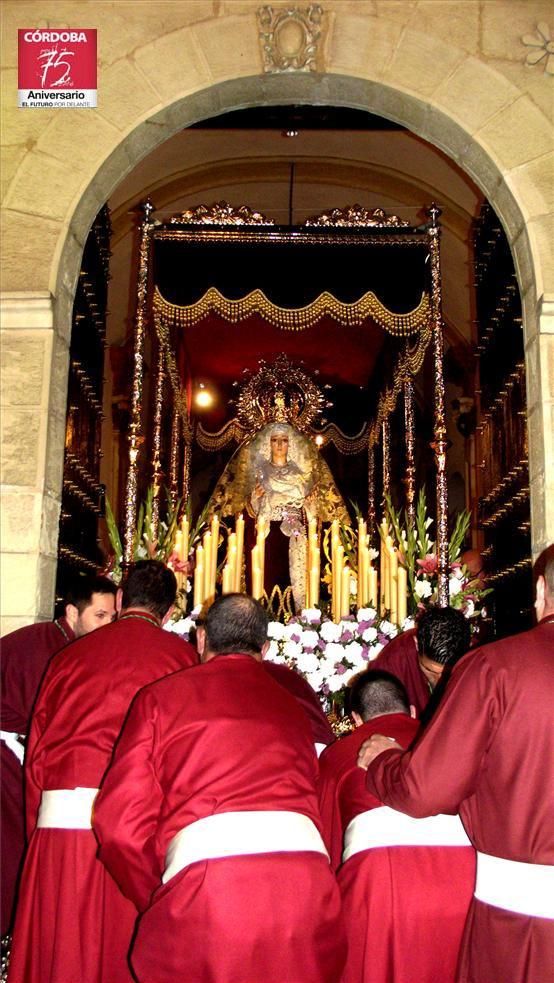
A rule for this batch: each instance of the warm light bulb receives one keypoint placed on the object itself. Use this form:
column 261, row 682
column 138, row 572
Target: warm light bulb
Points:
column 203, row 397
column 319, row 440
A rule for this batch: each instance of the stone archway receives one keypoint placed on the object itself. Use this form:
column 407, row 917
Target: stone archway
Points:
column 459, row 104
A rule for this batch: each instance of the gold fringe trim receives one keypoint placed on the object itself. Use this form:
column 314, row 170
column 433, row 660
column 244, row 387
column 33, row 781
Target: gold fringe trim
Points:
column 298, row 319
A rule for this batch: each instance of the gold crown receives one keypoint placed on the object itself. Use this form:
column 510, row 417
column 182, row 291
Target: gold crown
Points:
column 280, row 392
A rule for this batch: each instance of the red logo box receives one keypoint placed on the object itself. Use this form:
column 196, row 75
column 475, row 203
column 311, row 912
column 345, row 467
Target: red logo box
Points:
column 57, row 68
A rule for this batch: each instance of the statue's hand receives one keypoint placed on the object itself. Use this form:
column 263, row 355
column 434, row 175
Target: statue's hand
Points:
column 258, row 491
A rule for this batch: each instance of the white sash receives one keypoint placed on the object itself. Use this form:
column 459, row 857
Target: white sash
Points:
column 9, row 737
column 384, row 827
column 66, row 808
column 527, row 889
column 237, row 834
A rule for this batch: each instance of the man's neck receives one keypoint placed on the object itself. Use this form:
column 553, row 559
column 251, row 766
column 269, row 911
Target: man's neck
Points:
column 137, row 609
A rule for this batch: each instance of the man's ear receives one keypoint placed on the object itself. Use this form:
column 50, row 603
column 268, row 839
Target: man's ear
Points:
column 541, row 589
column 167, row 615
column 413, row 712
column 71, row 615
column 119, row 600
column 356, row 719
column 200, row 639
column 265, row 648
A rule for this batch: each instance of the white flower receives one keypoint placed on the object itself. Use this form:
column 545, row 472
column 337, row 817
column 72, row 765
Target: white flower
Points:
column 423, row 588
column 334, row 652
column 353, row 651
column 309, row 639
column 387, row 628
column 292, row 650
column 407, row 624
column 311, row 615
column 454, row 586
column 350, row 626
column 316, row 680
column 469, row 608
column 180, row 627
column 345, row 677
column 374, row 651
column 366, row 614
column 370, row 634
column 276, row 630
column 291, row 629
column 307, row 661
column 330, row 632
column 373, row 554
column 274, row 653
column 336, row 682
column 196, row 612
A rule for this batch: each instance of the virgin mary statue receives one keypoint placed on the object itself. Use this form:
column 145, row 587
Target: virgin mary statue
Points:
column 280, row 475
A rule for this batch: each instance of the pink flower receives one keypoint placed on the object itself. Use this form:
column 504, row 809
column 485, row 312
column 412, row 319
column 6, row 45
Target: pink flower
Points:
column 428, row 565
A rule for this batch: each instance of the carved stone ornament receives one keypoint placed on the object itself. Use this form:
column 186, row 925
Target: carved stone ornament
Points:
column 221, row 213
column 543, row 47
column 290, row 37
column 356, row 215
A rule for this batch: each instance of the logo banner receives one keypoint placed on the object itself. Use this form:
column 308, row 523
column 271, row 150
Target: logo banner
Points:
column 56, row 68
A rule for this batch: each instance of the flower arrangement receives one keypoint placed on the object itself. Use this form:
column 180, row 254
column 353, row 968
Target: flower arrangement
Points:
column 417, row 553
column 329, row 654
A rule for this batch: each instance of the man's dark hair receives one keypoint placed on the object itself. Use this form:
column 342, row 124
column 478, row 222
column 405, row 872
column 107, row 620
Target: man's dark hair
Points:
column 81, row 591
column 443, row 635
column 376, row 692
column 544, row 567
column 236, row 623
column 150, row 584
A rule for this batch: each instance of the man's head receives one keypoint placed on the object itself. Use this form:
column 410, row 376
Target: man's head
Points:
column 376, row 693
column 235, row 623
column 443, row 636
column 544, row 572
column 89, row 604
column 150, row 586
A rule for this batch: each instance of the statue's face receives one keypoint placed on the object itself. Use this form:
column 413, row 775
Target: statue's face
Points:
column 279, row 448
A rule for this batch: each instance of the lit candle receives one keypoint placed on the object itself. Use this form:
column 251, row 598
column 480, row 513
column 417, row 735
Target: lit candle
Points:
column 184, row 530
column 402, row 594
column 199, row 577
column 345, row 592
column 239, row 529
column 393, row 589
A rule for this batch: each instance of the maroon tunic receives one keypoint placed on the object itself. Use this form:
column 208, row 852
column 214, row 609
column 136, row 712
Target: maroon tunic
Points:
column 72, row 924
column 398, row 901
column 489, row 754
column 302, row 691
column 25, row 655
column 242, row 745
column 399, row 657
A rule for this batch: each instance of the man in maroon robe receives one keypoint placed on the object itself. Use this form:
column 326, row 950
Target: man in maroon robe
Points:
column 406, row 884
column 418, row 657
column 72, row 925
column 25, row 655
column 208, row 820
column 489, row 754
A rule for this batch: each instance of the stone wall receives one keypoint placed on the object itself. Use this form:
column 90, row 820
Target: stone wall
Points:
column 453, row 72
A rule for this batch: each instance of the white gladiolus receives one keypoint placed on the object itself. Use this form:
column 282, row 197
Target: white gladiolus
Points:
column 423, row 588
column 454, row 586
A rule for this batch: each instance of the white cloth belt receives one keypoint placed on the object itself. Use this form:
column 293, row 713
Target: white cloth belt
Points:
column 383, row 827
column 10, row 740
column 66, row 808
column 237, row 834
column 527, row 889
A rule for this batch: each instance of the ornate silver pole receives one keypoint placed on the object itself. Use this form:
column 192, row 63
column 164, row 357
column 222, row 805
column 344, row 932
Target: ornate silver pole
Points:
column 440, row 441
column 157, row 473
column 409, row 428
column 371, row 512
column 174, row 457
column 136, row 437
column 187, row 450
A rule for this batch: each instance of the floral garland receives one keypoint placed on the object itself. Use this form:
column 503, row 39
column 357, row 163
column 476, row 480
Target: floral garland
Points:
column 325, row 653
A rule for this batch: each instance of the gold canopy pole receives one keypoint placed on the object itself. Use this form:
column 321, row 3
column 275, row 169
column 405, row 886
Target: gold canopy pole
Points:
column 174, row 457
column 135, row 428
column 157, row 472
column 440, row 442
column 187, row 450
column 385, row 442
column 409, row 430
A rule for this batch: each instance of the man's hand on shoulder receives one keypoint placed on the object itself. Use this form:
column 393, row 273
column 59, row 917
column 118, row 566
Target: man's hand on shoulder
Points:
column 374, row 746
